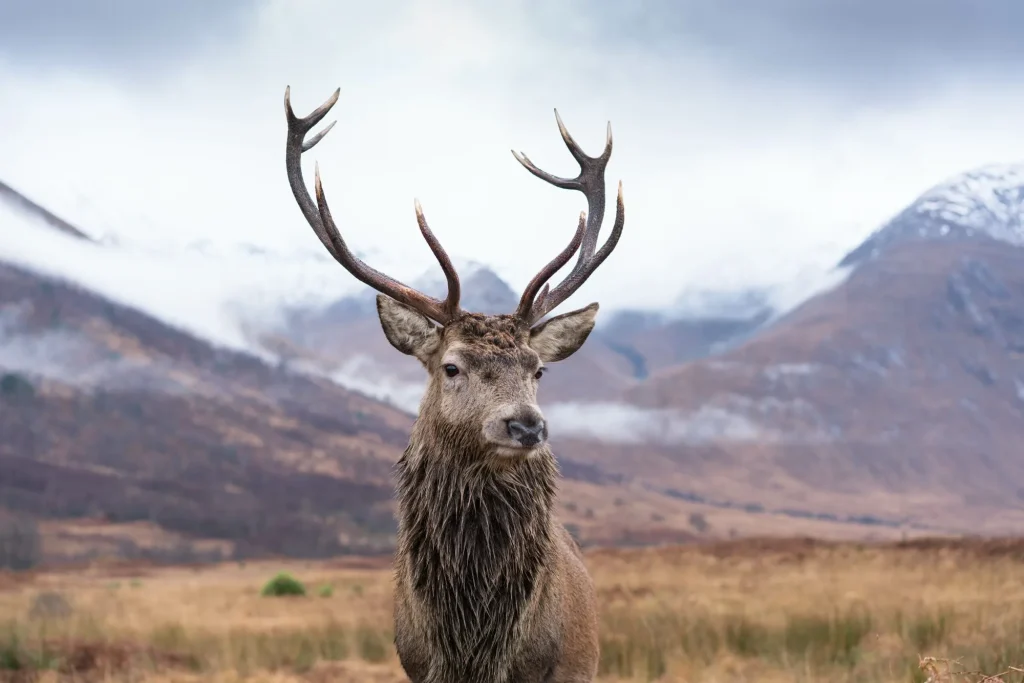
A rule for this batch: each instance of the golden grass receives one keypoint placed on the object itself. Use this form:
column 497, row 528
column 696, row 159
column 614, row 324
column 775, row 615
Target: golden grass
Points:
column 771, row 612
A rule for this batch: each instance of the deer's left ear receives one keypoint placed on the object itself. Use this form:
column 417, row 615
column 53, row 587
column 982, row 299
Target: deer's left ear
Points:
column 559, row 337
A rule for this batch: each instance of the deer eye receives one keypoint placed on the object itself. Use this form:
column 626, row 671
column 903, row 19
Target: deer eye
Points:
column 451, row 370
column 539, row 373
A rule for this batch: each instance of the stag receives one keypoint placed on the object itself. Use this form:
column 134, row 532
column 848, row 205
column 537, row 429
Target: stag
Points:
column 489, row 585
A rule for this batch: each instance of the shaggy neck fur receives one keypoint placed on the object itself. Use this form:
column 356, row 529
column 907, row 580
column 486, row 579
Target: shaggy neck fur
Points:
column 474, row 536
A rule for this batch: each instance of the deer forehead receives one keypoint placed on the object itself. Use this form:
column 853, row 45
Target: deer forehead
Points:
column 491, row 343
column 486, row 333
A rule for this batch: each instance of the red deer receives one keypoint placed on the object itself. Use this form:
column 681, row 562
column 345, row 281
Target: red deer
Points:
column 489, row 585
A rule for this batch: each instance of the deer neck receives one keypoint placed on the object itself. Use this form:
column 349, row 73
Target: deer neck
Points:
column 473, row 538
column 472, row 509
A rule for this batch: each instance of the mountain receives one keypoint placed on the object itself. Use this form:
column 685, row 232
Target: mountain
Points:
column 900, row 393
column 893, row 399
column 983, row 204
column 890, row 404
column 344, row 341
column 122, row 434
column 107, row 412
column 652, row 342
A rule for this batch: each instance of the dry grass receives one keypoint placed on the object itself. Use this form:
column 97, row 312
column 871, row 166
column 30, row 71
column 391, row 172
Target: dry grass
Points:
column 769, row 612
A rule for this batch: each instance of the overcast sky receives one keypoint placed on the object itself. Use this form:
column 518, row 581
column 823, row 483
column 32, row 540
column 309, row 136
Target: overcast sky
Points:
column 757, row 140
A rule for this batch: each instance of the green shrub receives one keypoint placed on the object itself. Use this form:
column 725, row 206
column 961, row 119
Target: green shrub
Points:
column 284, row 584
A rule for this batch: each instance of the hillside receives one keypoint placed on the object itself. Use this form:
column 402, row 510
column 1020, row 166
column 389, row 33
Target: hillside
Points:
column 344, row 340
column 893, row 399
column 983, row 204
column 900, row 393
column 109, row 413
column 889, row 405
column 136, row 438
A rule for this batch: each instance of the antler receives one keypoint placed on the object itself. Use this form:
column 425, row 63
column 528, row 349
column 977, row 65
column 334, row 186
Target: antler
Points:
column 590, row 181
column 319, row 218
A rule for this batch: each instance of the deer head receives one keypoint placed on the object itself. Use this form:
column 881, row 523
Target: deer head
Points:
column 484, row 370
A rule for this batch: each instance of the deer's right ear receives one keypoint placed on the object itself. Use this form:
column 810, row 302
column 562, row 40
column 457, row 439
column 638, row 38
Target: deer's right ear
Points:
column 408, row 330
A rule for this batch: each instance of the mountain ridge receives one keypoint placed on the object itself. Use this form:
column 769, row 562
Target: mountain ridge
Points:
column 886, row 405
column 984, row 203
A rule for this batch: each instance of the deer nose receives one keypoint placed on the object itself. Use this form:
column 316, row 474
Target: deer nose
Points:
column 529, row 431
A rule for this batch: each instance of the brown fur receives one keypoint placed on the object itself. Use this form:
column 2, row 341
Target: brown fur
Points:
column 490, row 587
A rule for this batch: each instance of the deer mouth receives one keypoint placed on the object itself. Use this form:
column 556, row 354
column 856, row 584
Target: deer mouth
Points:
column 511, row 453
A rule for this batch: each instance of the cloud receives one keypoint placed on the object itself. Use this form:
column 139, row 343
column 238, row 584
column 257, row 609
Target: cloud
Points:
column 120, row 36
column 73, row 358
column 739, row 171
column 734, row 301
column 729, row 418
column 70, row 359
column 627, row 424
column 862, row 46
column 853, row 48
column 211, row 292
column 370, row 378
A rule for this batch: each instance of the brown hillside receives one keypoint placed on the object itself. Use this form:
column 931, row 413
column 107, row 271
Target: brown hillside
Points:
column 898, row 394
column 109, row 413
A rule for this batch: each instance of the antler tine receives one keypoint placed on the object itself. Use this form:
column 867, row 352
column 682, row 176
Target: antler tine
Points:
column 530, row 298
column 590, row 181
column 297, row 144
column 451, row 303
column 318, row 215
column 575, row 279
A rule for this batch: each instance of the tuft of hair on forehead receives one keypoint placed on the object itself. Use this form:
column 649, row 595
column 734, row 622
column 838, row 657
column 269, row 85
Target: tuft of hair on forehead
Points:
column 488, row 333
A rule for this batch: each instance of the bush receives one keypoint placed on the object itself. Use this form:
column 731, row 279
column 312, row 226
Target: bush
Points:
column 326, row 591
column 282, row 585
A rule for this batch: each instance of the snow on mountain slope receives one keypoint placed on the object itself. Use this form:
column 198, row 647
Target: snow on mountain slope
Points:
column 985, row 203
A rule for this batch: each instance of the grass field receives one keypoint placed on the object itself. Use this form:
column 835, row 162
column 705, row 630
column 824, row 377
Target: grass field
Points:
column 739, row 611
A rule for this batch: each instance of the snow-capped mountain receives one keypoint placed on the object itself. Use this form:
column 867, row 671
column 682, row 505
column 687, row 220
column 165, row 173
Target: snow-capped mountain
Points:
column 985, row 203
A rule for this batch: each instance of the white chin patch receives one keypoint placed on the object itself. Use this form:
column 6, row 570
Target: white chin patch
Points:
column 515, row 451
